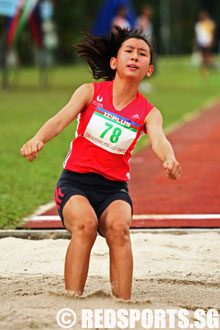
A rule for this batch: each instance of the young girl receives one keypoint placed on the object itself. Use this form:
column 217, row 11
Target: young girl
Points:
column 92, row 192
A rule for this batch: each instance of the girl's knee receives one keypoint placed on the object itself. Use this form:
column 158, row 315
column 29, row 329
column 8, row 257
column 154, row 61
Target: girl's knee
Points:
column 85, row 228
column 118, row 233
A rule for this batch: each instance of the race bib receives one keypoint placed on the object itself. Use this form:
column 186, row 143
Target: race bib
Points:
column 110, row 131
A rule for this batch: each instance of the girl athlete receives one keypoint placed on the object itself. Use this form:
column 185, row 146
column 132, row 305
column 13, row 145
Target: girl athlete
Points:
column 92, row 192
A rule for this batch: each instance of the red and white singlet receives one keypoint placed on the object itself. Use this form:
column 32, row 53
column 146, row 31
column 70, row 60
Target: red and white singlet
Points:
column 105, row 136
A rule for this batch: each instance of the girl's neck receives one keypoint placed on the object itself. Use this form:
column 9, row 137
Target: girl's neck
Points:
column 123, row 93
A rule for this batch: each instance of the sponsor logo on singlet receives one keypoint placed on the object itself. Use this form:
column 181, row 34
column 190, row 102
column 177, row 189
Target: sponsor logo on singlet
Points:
column 99, row 98
column 111, row 131
column 98, row 101
column 135, row 116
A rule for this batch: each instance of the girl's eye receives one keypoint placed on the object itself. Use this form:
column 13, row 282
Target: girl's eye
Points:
column 143, row 54
column 128, row 51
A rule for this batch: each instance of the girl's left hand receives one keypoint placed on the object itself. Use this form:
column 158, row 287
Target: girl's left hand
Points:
column 173, row 169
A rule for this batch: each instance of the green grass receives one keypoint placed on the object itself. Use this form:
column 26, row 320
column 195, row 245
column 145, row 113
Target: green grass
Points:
column 177, row 90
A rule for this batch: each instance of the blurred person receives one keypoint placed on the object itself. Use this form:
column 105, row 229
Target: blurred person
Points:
column 144, row 25
column 205, row 39
column 92, row 192
column 143, row 22
column 45, row 55
column 50, row 41
column 121, row 18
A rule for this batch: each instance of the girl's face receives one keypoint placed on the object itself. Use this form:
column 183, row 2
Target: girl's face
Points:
column 133, row 60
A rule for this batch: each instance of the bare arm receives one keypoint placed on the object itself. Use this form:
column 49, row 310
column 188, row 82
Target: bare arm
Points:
column 80, row 99
column 160, row 145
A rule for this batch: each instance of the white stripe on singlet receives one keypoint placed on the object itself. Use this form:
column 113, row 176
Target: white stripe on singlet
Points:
column 71, row 144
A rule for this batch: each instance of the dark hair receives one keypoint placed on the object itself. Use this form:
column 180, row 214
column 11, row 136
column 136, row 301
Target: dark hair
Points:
column 98, row 50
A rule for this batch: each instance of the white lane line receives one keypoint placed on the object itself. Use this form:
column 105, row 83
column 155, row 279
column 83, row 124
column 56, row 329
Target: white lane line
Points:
column 142, row 217
column 176, row 216
column 44, row 218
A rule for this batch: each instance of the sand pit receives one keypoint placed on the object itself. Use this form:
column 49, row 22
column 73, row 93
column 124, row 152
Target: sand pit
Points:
column 170, row 271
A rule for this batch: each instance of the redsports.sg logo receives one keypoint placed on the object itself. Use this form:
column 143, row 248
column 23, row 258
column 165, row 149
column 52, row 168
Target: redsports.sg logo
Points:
column 141, row 319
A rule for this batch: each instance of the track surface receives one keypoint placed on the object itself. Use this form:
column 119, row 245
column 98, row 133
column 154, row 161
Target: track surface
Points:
column 191, row 201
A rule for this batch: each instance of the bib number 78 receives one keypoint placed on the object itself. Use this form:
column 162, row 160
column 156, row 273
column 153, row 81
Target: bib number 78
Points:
column 115, row 133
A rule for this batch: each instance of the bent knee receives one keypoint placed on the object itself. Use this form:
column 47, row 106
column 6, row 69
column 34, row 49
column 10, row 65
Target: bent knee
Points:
column 85, row 228
column 118, row 233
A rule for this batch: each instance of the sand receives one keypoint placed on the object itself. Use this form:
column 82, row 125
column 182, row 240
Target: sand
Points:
column 170, row 271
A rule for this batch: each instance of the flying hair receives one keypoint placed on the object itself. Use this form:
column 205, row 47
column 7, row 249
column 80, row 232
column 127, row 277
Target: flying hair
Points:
column 98, row 50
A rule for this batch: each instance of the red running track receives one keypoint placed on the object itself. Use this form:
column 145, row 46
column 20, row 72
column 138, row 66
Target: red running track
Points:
column 191, row 201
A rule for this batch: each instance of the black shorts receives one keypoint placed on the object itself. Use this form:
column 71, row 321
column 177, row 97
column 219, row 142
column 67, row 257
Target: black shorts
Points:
column 99, row 191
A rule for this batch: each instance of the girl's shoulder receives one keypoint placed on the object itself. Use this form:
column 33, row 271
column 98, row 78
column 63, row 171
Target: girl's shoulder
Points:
column 102, row 84
column 144, row 100
column 145, row 104
column 103, row 87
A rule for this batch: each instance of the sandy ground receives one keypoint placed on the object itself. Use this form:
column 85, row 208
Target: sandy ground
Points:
column 170, row 271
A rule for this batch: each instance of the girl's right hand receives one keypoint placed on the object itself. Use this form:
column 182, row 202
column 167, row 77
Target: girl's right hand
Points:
column 31, row 148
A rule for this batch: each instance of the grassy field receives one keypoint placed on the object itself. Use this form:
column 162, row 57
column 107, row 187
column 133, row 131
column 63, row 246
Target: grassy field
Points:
column 177, row 90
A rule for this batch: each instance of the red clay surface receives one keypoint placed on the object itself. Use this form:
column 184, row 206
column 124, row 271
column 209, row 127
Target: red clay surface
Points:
column 197, row 148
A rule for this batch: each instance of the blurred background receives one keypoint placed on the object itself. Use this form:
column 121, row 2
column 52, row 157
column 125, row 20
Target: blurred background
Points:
column 40, row 71
column 57, row 25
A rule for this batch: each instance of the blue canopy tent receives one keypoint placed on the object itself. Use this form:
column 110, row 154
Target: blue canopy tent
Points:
column 107, row 13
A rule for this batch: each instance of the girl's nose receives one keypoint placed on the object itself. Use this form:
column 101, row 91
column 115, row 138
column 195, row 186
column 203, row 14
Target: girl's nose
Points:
column 134, row 54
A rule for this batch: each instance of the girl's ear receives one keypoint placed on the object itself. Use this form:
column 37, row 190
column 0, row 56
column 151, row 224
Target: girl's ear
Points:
column 113, row 63
column 149, row 71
